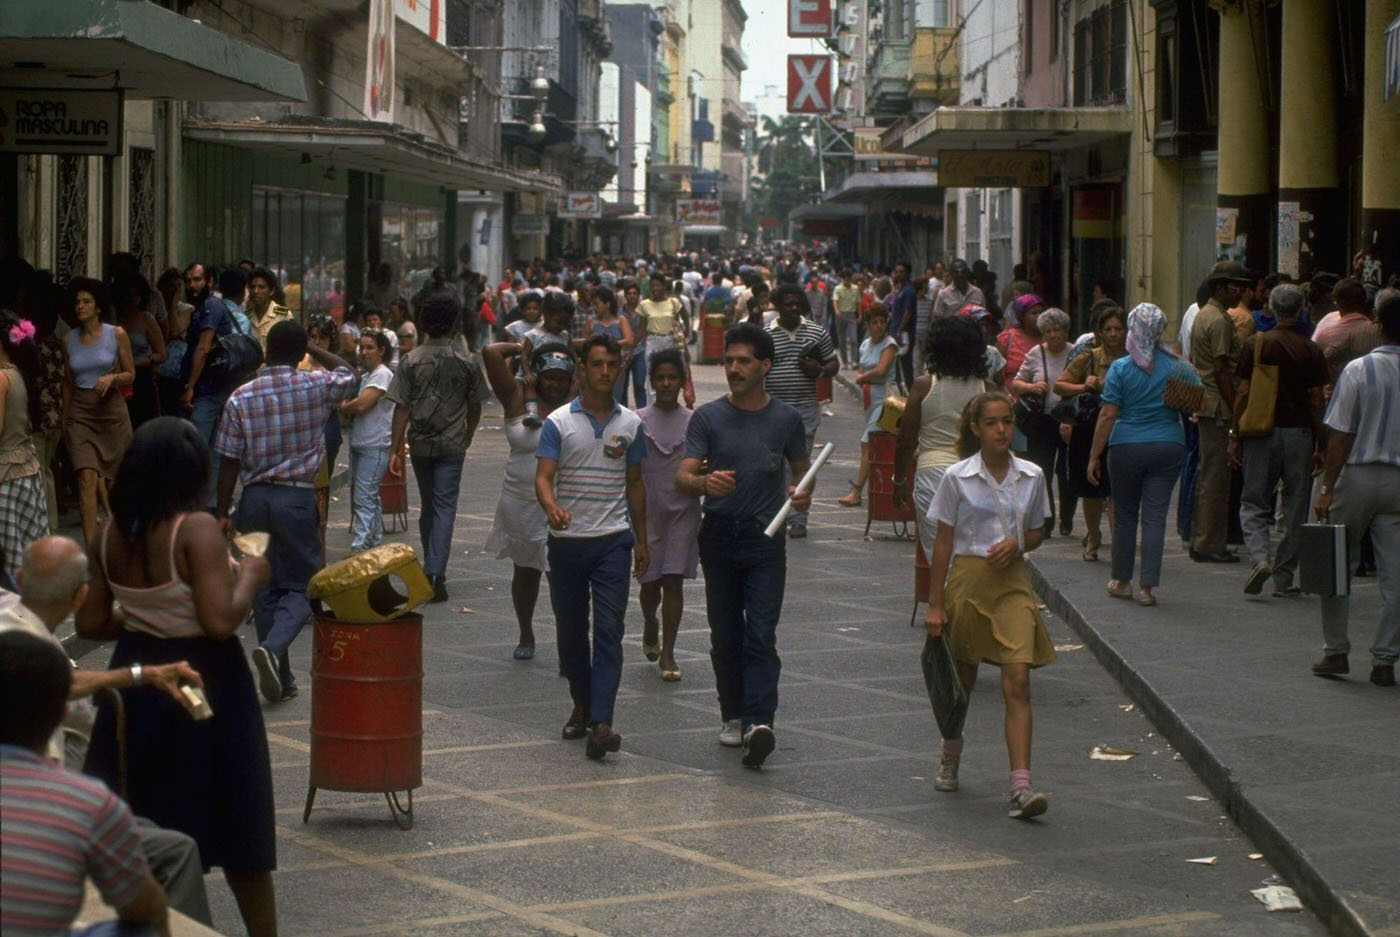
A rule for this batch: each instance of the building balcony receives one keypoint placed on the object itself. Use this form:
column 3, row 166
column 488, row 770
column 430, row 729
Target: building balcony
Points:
column 702, row 131
column 733, row 54
column 887, row 81
column 933, row 66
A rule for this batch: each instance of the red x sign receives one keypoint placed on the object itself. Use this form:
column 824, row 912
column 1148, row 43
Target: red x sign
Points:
column 809, row 18
column 809, row 84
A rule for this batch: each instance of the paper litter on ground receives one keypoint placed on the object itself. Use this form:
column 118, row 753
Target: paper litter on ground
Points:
column 1108, row 753
column 1278, row 898
column 1204, row 860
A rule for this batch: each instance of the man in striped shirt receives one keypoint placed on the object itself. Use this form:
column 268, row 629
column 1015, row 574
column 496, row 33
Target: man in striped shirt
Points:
column 57, row 827
column 1360, row 488
column 588, row 479
column 802, row 352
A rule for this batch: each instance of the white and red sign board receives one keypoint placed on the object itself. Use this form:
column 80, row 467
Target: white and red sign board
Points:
column 581, row 205
column 428, row 16
column 698, row 211
column 809, row 83
column 809, row 19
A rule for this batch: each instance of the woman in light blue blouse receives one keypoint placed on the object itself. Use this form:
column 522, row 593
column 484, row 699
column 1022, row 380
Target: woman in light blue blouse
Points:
column 1146, row 446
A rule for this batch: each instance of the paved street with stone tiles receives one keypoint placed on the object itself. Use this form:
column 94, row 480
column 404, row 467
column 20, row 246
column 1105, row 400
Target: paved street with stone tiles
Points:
column 841, row 833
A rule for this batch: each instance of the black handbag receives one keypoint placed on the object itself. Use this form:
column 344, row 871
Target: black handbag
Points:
column 1080, row 410
column 1029, row 408
column 945, row 690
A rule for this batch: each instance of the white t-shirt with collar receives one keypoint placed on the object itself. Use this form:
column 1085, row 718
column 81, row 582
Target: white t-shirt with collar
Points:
column 983, row 512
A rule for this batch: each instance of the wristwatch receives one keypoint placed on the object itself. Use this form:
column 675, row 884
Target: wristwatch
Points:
column 135, row 674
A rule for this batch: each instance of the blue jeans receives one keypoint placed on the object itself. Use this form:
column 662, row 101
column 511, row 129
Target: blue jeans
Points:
column 113, row 928
column 745, row 573
column 439, row 483
column 580, row 568
column 366, row 517
column 205, row 417
column 1142, row 476
column 281, row 609
column 638, row 370
column 1186, row 498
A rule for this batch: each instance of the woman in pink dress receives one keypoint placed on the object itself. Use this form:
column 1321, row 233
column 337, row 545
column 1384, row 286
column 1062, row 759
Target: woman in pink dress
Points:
column 673, row 519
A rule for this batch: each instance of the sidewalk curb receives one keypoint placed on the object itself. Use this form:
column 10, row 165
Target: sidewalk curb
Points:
column 1285, row 855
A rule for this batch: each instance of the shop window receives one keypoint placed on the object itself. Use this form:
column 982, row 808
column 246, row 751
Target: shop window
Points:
column 1184, row 78
column 1000, row 251
column 409, row 242
column 300, row 236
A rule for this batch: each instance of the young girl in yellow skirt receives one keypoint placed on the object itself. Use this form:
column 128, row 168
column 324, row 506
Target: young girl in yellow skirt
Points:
column 991, row 509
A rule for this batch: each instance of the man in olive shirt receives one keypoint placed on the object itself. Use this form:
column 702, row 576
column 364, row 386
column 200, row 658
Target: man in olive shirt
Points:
column 846, row 299
column 1215, row 353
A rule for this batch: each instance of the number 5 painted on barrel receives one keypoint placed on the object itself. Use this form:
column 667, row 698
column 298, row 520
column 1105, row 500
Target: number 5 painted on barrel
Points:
column 337, row 651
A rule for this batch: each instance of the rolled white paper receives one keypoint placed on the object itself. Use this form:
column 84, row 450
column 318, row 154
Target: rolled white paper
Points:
column 804, row 485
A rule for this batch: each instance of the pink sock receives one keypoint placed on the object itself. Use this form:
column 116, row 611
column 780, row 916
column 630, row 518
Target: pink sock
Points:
column 1020, row 778
column 953, row 746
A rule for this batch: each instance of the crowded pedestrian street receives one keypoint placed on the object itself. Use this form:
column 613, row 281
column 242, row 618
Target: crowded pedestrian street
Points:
column 701, row 468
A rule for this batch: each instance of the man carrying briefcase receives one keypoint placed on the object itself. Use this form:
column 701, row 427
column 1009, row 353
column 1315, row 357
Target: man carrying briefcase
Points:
column 1360, row 488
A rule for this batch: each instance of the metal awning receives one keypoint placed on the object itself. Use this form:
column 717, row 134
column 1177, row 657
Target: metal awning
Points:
column 1015, row 128
column 138, row 47
column 865, row 186
column 371, row 146
column 704, row 230
column 827, row 210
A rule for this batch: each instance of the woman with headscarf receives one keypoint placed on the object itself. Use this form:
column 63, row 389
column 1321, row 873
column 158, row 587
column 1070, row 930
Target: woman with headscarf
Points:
column 1017, row 340
column 1147, row 446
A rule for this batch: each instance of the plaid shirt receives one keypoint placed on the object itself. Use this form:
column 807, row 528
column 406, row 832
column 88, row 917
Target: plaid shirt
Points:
column 275, row 424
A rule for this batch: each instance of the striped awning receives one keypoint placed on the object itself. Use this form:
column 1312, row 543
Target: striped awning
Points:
column 1390, row 80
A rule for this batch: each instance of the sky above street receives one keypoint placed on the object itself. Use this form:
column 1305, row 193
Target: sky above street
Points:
column 767, row 46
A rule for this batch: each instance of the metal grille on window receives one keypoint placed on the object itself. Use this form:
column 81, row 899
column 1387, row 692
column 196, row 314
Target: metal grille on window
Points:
column 142, row 215
column 72, row 225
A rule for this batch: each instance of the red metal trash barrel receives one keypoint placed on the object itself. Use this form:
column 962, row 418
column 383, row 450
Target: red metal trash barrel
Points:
column 713, row 343
column 823, row 389
column 881, row 506
column 921, row 579
column 367, row 710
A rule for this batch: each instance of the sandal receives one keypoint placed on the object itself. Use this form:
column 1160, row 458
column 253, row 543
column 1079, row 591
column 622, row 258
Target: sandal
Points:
column 671, row 674
column 524, row 652
column 1090, row 554
column 652, row 651
column 1119, row 590
column 851, row 500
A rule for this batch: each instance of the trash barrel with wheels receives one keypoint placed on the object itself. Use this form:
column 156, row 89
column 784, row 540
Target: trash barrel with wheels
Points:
column 712, row 339
column 881, row 505
column 367, row 678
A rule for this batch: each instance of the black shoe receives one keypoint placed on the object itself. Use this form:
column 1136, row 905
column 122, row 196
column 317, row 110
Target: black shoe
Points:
column 1254, row 583
column 1224, row 556
column 290, row 691
column 797, row 531
column 577, row 726
column 1383, row 675
column 439, row 589
column 1331, row 665
column 759, row 743
column 601, row 740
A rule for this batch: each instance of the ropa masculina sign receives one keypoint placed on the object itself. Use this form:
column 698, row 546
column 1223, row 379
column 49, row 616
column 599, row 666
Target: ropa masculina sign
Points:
column 44, row 120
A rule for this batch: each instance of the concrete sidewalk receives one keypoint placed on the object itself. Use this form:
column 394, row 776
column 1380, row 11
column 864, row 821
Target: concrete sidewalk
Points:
column 1309, row 768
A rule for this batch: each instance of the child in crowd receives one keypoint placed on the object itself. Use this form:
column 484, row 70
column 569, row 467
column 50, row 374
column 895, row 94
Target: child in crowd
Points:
column 991, row 509
column 556, row 314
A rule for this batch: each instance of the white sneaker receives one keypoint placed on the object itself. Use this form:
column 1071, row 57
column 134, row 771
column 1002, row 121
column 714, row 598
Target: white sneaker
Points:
column 269, row 682
column 1026, row 803
column 731, row 733
column 947, row 780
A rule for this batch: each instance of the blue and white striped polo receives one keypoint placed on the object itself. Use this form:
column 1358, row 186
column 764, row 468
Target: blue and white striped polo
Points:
column 591, row 482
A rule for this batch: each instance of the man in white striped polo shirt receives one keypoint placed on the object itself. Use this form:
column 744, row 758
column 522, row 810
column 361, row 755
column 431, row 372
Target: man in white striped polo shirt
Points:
column 588, row 479
column 1361, row 488
column 802, row 352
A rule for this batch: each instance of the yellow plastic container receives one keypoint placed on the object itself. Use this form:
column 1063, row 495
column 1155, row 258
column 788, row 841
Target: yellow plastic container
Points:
column 891, row 414
column 360, row 588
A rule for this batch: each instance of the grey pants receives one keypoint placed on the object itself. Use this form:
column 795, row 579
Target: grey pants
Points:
column 174, row 861
column 1284, row 455
column 1368, row 496
column 811, row 419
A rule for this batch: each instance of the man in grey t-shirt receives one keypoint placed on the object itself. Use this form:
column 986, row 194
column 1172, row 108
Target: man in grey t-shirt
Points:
column 736, row 451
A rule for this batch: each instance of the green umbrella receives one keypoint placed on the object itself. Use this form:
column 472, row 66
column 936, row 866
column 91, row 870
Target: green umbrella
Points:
column 945, row 690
